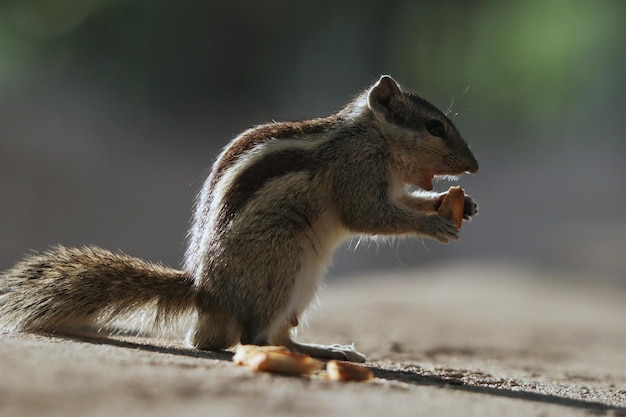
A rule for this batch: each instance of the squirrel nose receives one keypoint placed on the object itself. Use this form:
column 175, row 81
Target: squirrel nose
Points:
column 472, row 167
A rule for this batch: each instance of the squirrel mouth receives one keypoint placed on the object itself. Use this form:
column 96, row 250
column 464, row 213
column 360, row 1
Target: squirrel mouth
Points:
column 425, row 182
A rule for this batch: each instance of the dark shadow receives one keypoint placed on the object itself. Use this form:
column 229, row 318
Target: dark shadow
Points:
column 409, row 377
column 107, row 340
column 457, row 384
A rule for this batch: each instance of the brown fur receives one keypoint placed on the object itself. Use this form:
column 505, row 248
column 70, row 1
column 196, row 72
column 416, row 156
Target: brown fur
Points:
column 263, row 133
column 258, row 174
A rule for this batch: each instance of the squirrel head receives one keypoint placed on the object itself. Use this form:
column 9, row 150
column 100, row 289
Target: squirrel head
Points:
column 423, row 142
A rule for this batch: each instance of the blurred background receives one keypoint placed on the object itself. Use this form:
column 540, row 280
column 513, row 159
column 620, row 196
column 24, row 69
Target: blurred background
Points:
column 112, row 111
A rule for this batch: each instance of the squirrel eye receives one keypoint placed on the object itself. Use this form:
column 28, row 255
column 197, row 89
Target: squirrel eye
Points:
column 435, row 128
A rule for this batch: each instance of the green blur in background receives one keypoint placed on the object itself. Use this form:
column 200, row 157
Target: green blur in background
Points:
column 523, row 61
column 111, row 113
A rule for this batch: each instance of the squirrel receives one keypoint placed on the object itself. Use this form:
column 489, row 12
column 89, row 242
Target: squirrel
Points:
column 278, row 201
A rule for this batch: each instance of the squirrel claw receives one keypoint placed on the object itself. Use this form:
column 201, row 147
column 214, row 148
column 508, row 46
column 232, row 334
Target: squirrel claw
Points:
column 470, row 209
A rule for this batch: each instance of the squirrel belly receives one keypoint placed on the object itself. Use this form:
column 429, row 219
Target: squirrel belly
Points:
column 279, row 200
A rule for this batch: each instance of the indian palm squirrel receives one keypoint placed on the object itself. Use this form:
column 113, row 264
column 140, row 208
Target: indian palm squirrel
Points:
column 279, row 200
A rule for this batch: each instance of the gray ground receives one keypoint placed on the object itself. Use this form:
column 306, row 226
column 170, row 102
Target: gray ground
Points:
column 471, row 340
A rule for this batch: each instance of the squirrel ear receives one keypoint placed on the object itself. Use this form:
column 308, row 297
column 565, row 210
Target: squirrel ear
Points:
column 381, row 94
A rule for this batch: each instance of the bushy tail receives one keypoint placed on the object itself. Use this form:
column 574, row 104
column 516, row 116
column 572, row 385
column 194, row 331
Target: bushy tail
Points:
column 67, row 288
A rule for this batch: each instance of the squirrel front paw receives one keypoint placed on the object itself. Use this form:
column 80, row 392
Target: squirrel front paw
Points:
column 470, row 209
column 441, row 229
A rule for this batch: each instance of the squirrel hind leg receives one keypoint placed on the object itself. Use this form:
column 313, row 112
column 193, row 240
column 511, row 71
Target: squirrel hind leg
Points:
column 213, row 331
column 339, row 352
